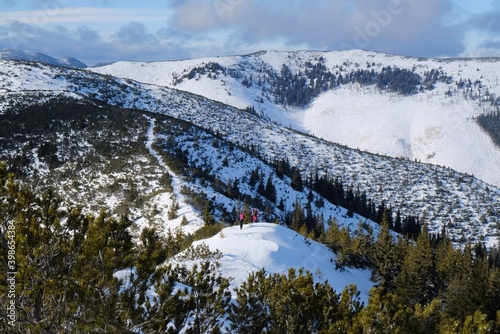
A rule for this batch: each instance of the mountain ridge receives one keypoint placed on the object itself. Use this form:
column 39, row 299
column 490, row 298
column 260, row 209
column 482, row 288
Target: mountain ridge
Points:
column 457, row 90
column 467, row 207
column 122, row 197
column 11, row 54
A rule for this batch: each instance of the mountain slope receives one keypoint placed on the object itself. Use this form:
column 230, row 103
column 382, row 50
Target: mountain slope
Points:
column 433, row 123
column 466, row 206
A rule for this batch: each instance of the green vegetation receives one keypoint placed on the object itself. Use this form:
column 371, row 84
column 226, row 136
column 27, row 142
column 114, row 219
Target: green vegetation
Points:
column 87, row 273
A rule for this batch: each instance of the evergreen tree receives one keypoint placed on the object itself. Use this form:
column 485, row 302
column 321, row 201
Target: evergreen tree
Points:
column 417, row 281
column 249, row 313
column 297, row 183
column 167, row 309
column 206, row 300
column 297, row 218
column 293, row 303
column 270, row 189
column 384, row 313
column 386, row 262
column 467, row 290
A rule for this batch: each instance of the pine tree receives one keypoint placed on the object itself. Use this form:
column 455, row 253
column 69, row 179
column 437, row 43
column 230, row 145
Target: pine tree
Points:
column 249, row 312
column 172, row 212
column 297, row 183
column 417, row 281
column 383, row 314
column 208, row 219
column 207, row 299
column 348, row 309
column 270, row 189
column 298, row 218
column 293, row 303
column 167, row 309
column 386, row 262
column 468, row 289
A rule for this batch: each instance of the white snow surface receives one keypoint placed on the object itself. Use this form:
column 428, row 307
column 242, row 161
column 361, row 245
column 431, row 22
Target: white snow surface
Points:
column 428, row 126
column 276, row 249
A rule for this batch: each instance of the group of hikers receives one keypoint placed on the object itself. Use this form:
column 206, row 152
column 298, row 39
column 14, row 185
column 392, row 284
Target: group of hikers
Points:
column 253, row 213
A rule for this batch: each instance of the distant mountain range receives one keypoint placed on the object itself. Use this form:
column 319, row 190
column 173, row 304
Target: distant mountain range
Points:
column 10, row 54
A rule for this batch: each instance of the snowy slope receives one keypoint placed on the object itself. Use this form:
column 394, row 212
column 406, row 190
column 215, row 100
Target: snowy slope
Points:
column 276, row 248
column 468, row 207
column 432, row 130
column 428, row 126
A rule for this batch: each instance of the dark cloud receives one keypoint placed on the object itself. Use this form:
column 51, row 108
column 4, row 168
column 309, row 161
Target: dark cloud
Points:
column 222, row 27
column 87, row 34
column 491, row 44
column 385, row 25
column 132, row 42
column 486, row 21
column 135, row 33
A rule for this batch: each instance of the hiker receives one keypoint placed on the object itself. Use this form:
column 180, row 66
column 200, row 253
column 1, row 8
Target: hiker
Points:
column 241, row 218
column 254, row 215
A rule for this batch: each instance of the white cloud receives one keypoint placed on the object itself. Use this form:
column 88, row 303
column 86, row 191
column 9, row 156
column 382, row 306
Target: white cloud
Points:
column 195, row 28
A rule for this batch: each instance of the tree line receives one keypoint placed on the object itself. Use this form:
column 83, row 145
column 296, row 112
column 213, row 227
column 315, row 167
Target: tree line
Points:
column 289, row 88
column 333, row 190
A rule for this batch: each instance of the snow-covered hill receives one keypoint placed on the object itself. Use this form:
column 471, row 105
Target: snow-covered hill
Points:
column 276, row 249
column 434, row 125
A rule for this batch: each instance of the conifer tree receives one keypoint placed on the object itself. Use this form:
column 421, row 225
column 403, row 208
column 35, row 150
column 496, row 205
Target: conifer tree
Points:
column 165, row 312
column 384, row 313
column 249, row 312
column 297, row 183
column 270, row 189
column 386, row 261
column 207, row 299
column 467, row 291
column 348, row 309
column 417, row 281
column 293, row 303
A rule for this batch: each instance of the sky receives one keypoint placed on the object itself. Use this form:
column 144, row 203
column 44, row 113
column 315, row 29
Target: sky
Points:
column 97, row 31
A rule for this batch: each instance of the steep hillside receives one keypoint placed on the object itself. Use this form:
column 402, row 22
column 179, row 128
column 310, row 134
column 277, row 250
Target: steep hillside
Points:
column 420, row 109
column 467, row 207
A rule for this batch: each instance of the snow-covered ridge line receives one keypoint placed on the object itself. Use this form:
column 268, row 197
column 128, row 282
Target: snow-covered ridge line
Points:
column 276, row 248
column 467, row 206
column 176, row 182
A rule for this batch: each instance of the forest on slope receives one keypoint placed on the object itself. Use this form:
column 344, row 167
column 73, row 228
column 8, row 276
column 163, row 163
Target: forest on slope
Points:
column 67, row 270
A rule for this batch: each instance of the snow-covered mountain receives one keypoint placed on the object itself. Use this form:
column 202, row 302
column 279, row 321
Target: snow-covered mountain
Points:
column 346, row 97
column 10, row 54
column 440, row 196
column 173, row 159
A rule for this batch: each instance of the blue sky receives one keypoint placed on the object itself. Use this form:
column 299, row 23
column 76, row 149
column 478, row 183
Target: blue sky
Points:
column 110, row 30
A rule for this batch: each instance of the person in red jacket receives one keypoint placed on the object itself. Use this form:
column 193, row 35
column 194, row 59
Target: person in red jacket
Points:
column 241, row 219
column 254, row 215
